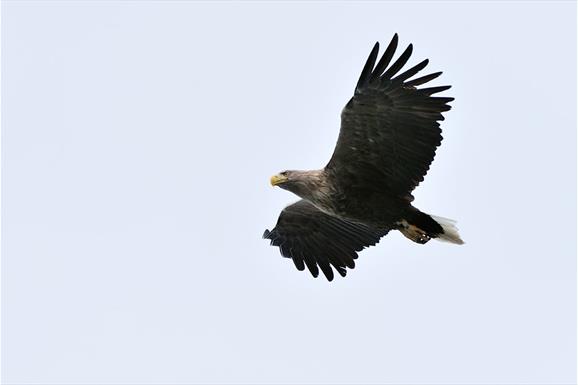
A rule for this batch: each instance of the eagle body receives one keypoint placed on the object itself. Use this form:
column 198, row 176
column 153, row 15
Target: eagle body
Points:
column 379, row 209
column 389, row 134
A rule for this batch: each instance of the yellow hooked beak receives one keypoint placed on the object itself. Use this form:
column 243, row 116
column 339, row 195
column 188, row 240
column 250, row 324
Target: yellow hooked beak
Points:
column 278, row 179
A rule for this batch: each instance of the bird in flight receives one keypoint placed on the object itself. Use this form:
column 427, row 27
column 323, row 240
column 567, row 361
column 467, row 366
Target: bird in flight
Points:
column 389, row 134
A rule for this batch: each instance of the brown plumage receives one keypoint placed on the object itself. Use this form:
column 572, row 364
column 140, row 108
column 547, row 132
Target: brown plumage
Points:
column 389, row 134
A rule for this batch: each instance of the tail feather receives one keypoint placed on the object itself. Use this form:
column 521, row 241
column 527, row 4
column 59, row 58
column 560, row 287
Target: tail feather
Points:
column 421, row 227
column 450, row 233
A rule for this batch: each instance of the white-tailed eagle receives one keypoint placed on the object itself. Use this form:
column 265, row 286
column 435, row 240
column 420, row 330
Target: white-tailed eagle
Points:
column 389, row 134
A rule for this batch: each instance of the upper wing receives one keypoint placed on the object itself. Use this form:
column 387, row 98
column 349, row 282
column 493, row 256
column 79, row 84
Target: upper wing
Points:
column 317, row 240
column 389, row 129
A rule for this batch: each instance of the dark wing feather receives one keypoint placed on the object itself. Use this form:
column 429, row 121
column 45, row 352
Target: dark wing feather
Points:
column 389, row 129
column 320, row 241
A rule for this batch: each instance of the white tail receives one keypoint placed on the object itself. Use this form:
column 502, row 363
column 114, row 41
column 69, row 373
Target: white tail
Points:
column 450, row 230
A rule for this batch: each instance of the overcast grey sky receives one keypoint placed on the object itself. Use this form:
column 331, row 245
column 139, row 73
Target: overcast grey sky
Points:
column 138, row 139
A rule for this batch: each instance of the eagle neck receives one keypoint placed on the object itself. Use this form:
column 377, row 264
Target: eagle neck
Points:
column 314, row 187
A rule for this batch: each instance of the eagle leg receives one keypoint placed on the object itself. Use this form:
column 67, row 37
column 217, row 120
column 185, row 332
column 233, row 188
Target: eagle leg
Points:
column 414, row 233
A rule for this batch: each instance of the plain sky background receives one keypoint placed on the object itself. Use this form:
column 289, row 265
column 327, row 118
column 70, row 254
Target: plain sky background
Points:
column 138, row 138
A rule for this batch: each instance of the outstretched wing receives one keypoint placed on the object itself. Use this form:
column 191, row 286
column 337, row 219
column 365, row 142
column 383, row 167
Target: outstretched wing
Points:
column 389, row 129
column 317, row 240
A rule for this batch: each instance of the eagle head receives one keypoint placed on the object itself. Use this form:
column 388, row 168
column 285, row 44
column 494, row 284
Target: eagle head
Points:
column 302, row 183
